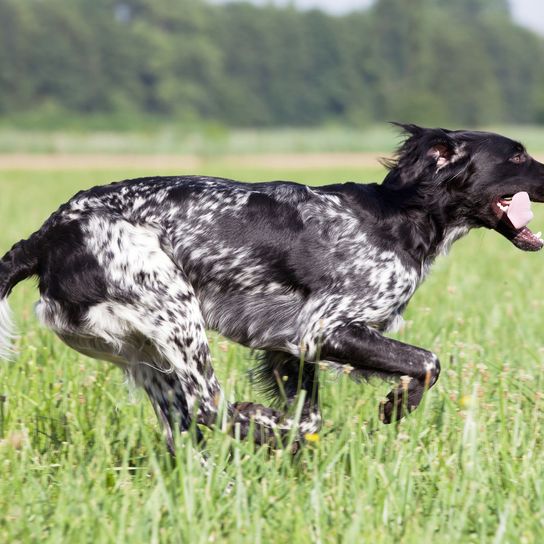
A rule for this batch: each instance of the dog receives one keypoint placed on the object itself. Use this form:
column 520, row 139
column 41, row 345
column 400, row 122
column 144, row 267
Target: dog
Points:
column 136, row 271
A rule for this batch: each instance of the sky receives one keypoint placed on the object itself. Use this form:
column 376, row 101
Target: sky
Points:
column 528, row 12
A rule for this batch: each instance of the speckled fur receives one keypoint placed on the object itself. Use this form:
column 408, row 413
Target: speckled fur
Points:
column 134, row 273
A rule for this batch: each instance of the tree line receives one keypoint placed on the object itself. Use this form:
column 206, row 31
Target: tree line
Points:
column 431, row 61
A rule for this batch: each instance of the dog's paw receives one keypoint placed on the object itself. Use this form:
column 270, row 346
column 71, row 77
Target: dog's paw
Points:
column 266, row 423
column 390, row 409
column 252, row 410
column 401, row 401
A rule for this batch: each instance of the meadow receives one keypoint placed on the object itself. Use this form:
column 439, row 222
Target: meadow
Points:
column 83, row 459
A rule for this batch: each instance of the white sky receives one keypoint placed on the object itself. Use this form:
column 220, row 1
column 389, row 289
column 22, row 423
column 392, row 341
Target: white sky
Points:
column 528, row 12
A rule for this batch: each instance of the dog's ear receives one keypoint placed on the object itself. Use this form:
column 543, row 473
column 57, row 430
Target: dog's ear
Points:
column 442, row 152
column 435, row 143
column 422, row 155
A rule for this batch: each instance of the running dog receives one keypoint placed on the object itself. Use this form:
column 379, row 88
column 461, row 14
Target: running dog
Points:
column 136, row 271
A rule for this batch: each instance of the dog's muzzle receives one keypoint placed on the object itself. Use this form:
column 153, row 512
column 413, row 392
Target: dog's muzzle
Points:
column 514, row 215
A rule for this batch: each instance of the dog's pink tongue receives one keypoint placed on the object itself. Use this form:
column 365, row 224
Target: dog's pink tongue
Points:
column 519, row 212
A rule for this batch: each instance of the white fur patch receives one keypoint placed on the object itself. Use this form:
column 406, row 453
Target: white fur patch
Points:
column 7, row 330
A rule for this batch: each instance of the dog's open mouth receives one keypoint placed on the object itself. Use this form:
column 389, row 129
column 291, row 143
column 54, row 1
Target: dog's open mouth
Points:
column 514, row 213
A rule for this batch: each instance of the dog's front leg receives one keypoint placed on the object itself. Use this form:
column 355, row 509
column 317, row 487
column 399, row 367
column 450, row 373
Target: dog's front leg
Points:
column 369, row 351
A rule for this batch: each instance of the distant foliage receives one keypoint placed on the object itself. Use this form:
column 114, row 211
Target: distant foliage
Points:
column 431, row 61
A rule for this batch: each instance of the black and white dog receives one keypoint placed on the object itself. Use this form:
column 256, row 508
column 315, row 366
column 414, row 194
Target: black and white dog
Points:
column 134, row 272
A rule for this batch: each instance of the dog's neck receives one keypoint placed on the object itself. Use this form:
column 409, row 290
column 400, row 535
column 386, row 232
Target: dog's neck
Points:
column 423, row 229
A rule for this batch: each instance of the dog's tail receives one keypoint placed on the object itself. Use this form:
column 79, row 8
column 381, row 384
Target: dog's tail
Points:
column 20, row 262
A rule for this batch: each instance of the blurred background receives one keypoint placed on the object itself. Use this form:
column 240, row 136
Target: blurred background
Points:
column 217, row 77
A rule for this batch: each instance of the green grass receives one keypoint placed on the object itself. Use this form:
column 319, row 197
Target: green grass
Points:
column 83, row 459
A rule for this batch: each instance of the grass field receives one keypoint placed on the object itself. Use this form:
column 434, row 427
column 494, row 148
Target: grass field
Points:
column 83, row 459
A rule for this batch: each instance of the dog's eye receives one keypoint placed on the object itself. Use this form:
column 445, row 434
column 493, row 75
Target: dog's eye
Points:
column 519, row 158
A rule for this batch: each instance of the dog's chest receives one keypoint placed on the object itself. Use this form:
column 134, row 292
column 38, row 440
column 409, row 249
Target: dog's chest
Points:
column 378, row 285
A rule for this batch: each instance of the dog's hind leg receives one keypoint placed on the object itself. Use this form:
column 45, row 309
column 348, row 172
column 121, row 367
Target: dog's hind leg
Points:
column 167, row 348
column 114, row 294
column 168, row 398
column 170, row 360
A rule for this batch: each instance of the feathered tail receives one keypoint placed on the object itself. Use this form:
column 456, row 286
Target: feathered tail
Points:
column 7, row 330
column 20, row 262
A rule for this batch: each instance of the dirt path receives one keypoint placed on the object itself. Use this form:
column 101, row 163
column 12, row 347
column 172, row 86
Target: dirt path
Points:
column 278, row 161
column 21, row 161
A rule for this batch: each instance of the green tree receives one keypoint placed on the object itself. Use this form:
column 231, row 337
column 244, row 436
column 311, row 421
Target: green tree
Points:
column 429, row 61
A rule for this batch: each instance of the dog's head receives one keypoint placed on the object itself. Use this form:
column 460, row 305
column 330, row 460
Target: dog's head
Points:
column 474, row 179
